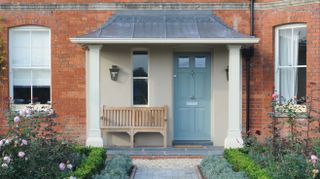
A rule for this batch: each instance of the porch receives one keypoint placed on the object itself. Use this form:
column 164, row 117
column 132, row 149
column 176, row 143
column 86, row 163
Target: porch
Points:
column 187, row 57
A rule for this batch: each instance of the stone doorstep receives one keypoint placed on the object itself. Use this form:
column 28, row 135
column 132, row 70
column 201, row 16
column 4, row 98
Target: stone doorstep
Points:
column 167, row 157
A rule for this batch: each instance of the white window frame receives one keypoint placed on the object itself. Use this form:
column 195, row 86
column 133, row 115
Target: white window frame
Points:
column 11, row 67
column 145, row 78
column 277, row 64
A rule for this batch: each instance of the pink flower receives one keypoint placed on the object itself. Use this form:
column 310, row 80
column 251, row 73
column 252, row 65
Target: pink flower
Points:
column 21, row 154
column 62, row 166
column 1, row 142
column 274, row 95
column 28, row 111
column 24, row 142
column 6, row 159
column 16, row 119
column 22, row 112
column 314, row 157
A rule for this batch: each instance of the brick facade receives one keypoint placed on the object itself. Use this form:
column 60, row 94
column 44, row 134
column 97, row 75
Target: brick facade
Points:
column 68, row 60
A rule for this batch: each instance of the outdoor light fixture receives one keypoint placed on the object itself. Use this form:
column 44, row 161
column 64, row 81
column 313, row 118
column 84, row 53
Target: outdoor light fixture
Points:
column 227, row 72
column 114, row 72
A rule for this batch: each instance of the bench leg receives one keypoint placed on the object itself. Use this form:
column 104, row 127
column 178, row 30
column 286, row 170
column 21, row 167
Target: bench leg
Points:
column 164, row 139
column 132, row 140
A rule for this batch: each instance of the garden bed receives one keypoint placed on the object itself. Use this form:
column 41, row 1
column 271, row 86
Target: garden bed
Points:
column 119, row 167
column 216, row 167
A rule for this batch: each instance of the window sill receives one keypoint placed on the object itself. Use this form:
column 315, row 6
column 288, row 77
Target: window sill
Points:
column 299, row 110
column 36, row 107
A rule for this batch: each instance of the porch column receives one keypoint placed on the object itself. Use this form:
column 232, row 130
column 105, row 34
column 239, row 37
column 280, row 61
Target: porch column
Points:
column 234, row 138
column 93, row 97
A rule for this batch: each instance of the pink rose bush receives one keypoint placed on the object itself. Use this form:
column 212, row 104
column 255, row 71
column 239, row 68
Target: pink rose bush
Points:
column 32, row 147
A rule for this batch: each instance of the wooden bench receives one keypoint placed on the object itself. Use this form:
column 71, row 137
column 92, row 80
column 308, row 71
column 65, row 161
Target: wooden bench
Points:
column 135, row 119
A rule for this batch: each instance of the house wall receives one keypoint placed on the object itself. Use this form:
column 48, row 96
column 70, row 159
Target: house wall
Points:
column 119, row 93
column 68, row 60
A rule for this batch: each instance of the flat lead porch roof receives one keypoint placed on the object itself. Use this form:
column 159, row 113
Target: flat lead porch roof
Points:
column 164, row 27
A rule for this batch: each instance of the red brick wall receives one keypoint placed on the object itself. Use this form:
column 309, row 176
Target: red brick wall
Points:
column 262, row 82
column 68, row 60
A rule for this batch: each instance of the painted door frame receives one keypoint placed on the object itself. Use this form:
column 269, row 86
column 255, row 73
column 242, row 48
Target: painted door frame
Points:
column 208, row 54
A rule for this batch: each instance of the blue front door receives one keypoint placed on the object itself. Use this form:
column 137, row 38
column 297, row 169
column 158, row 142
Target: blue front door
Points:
column 192, row 96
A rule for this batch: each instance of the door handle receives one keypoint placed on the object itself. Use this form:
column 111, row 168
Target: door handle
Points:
column 192, row 97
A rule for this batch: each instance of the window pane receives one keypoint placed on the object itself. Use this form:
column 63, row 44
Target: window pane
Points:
column 22, row 94
column 302, row 83
column 292, row 83
column 302, row 45
column 140, row 91
column 20, row 51
column 285, row 47
column 41, row 94
column 41, row 78
column 40, row 48
column 183, row 62
column 200, row 62
column 140, row 64
column 22, row 77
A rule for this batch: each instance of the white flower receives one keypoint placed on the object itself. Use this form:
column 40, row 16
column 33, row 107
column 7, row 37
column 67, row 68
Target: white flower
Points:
column 69, row 166
column 4, row 165
column 72, row 177
column 7, row 141
column 24, row 142
column 1, row 142
column 6, row 159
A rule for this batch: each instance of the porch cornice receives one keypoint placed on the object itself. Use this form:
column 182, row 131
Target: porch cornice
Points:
column 165, row 40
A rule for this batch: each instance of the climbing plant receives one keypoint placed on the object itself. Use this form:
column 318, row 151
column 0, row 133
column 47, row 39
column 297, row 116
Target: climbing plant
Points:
column 3, row 65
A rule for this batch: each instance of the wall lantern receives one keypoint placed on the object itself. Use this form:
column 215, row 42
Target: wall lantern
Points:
column 114, row 72
column 227, row 72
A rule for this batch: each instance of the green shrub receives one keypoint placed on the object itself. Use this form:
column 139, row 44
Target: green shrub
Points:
column 116, row 168
column 242, row 162
column 213, row 167
column 92, row 164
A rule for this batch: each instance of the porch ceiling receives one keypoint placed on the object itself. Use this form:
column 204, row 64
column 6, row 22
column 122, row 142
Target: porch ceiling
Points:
column 200, row 27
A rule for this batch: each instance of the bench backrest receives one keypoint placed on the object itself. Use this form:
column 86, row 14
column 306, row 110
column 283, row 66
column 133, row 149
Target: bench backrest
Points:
column 119, row 117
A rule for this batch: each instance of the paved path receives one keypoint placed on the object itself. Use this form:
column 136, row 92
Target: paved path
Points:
column 166, row 168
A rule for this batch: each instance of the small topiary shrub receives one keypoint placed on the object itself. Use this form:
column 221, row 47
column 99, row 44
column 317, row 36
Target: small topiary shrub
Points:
column 92, row 164
column 213, row 167
column 116, row 168
column 242, row 162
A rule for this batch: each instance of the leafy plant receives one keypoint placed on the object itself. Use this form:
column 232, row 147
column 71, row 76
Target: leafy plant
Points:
column 214, row 167
column 116, row 168
column 91, row 165
column 242, row 162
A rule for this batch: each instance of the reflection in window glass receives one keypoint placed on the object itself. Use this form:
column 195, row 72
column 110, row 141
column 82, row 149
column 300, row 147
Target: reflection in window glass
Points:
column 140, row 64
column 200, row 62
column 183, row 62
column 140, row 91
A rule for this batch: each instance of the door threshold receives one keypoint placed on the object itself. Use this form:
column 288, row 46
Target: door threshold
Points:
column 192, row 143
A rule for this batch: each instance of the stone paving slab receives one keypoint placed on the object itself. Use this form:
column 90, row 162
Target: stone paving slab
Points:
column 166, row 168
column 170, row 151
